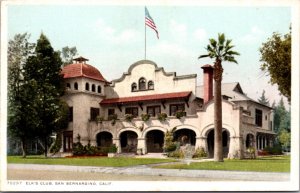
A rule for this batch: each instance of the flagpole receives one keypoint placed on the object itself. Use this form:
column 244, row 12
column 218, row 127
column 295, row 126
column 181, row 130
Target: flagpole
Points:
column 145, row 38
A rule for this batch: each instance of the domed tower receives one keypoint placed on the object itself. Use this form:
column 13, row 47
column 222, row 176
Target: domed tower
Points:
column 85, row 89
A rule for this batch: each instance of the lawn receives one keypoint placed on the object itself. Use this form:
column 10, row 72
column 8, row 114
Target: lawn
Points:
column 86, row 161
column 261, row 164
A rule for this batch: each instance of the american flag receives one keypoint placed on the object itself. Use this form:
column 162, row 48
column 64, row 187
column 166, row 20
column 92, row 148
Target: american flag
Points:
column 149, row 22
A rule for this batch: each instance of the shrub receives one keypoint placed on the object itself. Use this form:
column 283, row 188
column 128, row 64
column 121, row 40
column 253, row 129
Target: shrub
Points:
column 78, row 149
column 176, row 154
column 169, row 145
column 276, row 150
column 113, row 118
column 200, row 153
column 113, row 149
column 145, row 117
column 129, row 117
column 162, row 116
column 180, row 114
column 99, row 119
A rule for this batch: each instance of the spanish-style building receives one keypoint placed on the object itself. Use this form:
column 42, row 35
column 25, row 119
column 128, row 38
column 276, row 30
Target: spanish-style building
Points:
column 103, row 113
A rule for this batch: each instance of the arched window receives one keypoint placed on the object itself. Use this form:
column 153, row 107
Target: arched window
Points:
column 87, row 86
column 76, row 86
column 133, row 87
column 150, row 85
column 93, row 88
column 142, row 84
column 68, row 85
column 99, row 89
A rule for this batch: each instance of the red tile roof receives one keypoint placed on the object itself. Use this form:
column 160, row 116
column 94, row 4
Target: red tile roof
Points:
column 82, row 70
column 175, row 95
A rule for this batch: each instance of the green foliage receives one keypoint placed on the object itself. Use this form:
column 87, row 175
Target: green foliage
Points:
column 263, row 100
column 265, row 164
column 78, row 149
column 169, row 145
column 282, row 117
column 67, row 54
column 42, row 73
column 129, row 117
column 113, row 118
column 276, row 58
column 113, row 149
column 21, row 119
column 176, row 154
column 251, row 152
column 88, row 161
column 99, row 119
column 145, row 117
column 200, row 153
column 220, row 50
column 162, row 116
column 285, row 138
column 180, row 114
column 275, row 150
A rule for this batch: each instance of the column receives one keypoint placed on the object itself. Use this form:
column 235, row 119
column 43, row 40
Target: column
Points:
column 142, row 145
column 117, row 142
column 258, row 142
column 201, row 142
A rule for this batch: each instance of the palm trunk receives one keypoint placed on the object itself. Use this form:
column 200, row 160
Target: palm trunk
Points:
column 218, row 148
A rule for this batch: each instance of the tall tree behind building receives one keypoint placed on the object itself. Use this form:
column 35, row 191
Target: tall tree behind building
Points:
column 43, row 69
column 21, row 115
column 263, row 100
column 276, row 58
column 67, row 54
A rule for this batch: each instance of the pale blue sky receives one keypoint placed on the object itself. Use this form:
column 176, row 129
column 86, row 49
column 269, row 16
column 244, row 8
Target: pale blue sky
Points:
column 112, row 37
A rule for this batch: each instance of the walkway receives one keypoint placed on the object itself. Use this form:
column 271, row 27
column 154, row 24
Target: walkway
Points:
column 147, row 170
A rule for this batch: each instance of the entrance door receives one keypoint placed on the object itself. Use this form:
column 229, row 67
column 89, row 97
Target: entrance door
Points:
column 67, row 141
column 155, row 141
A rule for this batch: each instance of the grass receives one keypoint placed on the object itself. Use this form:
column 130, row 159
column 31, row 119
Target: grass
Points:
column 86, row 161
column 261, row 164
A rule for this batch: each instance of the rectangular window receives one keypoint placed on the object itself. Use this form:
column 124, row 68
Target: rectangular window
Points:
column 176, row 107
column 94, row 113
column 111, row 112
column 70, row 114
column 258, row 117
column 153, row 110
column 132, row 110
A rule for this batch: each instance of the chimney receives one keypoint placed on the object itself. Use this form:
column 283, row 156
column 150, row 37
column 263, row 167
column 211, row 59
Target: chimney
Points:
column 208, row 72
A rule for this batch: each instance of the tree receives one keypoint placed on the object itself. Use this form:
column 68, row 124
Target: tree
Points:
column 68, row 54
column 285, row 139
column 220, row 50
column 20, row 114
column 43, row 68
column 263, row 100
column 276, row 58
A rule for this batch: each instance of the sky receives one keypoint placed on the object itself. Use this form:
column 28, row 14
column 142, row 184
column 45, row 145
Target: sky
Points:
column 112, row 37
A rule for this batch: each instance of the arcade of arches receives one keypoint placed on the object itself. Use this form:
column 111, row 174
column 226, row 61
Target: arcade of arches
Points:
column 211, row 140
column 154, row 140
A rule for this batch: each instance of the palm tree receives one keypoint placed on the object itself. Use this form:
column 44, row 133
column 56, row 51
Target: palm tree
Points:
column 220, row 51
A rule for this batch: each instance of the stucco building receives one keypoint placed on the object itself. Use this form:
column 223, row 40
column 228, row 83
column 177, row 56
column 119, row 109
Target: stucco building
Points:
column 99, row 110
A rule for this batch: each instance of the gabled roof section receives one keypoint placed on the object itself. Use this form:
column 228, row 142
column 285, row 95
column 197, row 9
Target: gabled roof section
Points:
column 82, row 70
column 143, row 98
column 232, row 90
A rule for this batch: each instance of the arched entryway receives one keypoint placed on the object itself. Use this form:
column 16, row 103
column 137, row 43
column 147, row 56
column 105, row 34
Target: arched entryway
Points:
column 249, row 141
column 128, row 142
column 185, row 136
column 155, row 141
column 104, row 139
column 211, row 142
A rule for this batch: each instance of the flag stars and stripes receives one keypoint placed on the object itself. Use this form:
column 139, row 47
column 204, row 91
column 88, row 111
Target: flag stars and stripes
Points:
column 150, row 22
